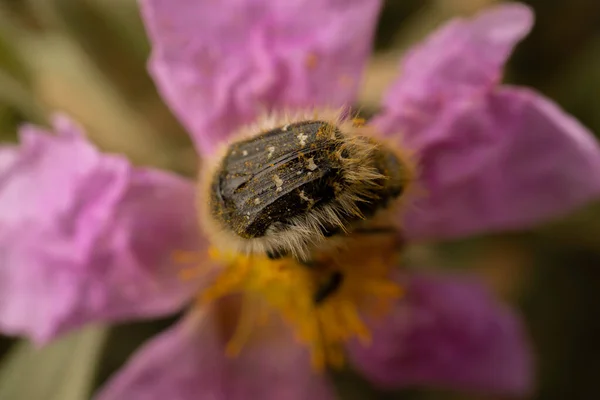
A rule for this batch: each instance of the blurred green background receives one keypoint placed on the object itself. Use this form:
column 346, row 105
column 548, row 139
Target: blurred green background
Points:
column 87, row 58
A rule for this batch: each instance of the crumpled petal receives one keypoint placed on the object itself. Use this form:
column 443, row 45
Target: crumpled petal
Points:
column 448, row 332
column 218, row 64
column 189, row 362
column 511, row 161
column 490, row 158
column 85, row 236
column 461, row 60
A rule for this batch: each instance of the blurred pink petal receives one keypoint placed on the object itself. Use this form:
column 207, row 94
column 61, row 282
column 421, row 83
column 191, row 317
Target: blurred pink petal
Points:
column 85, row 236
column 448, row 333
column 462, row 59
column 188, row 362
column 509, row 162
column 218, row 63
column 491, row 158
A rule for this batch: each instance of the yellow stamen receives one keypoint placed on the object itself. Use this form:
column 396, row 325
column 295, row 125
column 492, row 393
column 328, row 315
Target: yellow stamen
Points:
column 288, row 288
column 247, row 321
column 358, row 122
column 196, row 268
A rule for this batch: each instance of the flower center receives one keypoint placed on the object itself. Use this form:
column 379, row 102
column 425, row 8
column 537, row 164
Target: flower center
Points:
column 324, row 302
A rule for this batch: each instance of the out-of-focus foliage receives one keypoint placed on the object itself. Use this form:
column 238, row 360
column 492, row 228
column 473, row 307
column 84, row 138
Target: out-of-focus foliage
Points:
column 63, row 370
column 87, row 58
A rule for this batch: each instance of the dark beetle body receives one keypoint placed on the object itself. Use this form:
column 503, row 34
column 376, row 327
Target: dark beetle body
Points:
column 261, row 179
column 388, row 188
column 288, row 172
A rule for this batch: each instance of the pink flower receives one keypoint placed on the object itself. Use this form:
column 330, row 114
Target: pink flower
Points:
column 87, row 237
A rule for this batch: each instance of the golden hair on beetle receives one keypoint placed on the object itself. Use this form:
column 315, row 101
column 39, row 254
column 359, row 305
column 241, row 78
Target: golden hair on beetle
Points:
column 291, row 184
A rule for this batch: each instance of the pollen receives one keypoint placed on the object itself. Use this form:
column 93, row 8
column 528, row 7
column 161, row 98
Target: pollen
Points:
column 302, row 138
column 358, row 122
column 287, row 288
column 278, row 181
column 304, row 197
column 312, row 61
column 346, row 81
column 311, row 164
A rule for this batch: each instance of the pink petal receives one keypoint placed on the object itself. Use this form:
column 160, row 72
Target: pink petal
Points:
column 490, row 158
column 85, row 236
column 218, row 63
column 188, row 362
column 462, row 59
column 448, row 333
column 510, row 161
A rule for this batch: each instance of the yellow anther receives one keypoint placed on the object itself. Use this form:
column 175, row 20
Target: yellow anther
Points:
column 288, row 287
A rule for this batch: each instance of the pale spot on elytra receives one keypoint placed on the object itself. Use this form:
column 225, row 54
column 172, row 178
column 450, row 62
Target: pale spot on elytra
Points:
column 302, row 138
column 278, row 183
column 311, row 164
